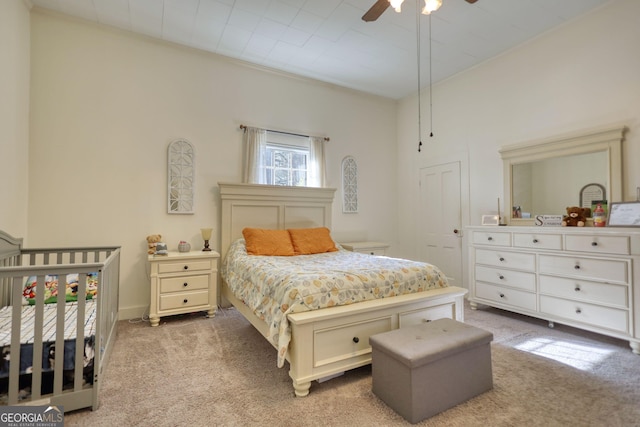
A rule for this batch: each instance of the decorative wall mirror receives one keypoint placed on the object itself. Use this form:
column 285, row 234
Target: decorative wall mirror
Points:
column 544, row 177
column 180, row 177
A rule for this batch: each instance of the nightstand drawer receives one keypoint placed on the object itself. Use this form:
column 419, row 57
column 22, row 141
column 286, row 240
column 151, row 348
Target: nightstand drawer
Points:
column 370, row 248
column 183, row 283
column 184, row 300
column 185, row 266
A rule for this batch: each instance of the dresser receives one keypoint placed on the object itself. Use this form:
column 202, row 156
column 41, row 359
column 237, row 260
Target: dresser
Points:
column 584, row 277
column 371, row 248
column 183, row 282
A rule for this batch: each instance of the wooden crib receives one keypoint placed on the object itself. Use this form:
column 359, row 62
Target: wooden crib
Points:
column 58, row 316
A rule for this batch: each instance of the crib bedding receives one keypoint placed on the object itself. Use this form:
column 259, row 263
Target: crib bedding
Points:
column 275, row 286
column 48, row 336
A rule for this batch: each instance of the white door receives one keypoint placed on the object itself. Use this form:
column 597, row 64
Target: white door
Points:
column 441, row 219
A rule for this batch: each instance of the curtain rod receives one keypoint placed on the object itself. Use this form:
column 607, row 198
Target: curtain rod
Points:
column 244, row 127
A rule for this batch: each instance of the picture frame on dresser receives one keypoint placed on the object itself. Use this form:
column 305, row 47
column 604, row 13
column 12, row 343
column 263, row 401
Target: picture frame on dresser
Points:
column 624, row 214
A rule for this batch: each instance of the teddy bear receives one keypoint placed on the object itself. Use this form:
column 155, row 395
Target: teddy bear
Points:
column 574, row 217
column 152, row 240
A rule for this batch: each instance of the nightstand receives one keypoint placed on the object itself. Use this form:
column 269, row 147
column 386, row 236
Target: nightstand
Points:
column 183, row 282
column 371, row 248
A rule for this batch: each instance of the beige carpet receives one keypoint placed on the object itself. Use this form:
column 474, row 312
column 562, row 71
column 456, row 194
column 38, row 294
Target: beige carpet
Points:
column 192, row 371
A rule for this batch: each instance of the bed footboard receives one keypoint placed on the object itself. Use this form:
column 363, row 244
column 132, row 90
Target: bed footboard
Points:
column 59, row 345
column 332, row 340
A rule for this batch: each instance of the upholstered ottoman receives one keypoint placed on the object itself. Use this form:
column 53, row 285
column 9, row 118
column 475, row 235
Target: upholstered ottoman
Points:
column 425, row 369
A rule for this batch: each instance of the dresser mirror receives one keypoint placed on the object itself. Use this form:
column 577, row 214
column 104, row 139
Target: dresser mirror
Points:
column 543, row 177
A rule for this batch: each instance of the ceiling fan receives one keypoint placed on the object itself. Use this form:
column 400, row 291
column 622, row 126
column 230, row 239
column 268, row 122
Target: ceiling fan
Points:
column 380, row 6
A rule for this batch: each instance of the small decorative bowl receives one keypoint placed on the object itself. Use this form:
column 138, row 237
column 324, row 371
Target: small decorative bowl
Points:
column 184, row 247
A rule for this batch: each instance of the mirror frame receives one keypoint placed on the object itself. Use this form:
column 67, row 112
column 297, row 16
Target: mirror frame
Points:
column 607, row 139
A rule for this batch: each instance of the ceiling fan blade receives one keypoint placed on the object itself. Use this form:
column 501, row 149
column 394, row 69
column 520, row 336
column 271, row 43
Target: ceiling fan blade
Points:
column 376, row 10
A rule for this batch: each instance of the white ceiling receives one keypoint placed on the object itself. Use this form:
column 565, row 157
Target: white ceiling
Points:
column 328, row 41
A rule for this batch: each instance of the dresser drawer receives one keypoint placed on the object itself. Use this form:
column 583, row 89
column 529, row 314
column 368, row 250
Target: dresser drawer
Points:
column 184, row 283
column 537, row 241
column 512, row 297
column 428, row 314
column 504, row 277
column 607, row 270
column 347, row 341
column 617, row 245
column 505, row 259
column 183, row 300
column 583, row 290
column 591, row 314
column 185, row 266
column 493, row 238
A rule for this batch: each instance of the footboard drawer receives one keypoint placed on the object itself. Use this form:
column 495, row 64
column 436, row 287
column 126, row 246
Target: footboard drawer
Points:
column 425, row 315
column 346, row 341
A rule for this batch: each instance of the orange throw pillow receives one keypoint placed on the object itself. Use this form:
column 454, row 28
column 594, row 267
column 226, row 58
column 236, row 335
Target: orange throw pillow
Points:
column 308, row 241
column 261, row 241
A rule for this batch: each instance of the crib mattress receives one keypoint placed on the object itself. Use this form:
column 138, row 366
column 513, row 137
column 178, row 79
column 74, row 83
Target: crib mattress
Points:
column 48, row 336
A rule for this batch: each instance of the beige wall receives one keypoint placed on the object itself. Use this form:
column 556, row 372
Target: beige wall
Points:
column 14, row 116
column 580, row 76
column 105, row 105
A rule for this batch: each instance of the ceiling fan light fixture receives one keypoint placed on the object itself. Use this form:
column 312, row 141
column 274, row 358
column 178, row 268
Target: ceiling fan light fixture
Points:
column 396, row 4
column 431, row 6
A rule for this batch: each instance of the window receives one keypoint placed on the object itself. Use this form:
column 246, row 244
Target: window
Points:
column 277, row 158
column 286, row 160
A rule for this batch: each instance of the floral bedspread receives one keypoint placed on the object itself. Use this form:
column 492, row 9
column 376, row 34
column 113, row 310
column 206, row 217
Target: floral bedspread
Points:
column 274, row 286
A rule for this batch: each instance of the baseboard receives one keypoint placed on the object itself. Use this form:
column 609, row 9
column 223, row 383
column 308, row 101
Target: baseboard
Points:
column 140, row 312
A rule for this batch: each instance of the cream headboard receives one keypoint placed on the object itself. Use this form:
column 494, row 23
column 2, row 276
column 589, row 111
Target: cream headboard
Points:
column 271, row 206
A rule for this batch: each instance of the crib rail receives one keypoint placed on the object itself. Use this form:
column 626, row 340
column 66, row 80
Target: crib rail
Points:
column 40, row 263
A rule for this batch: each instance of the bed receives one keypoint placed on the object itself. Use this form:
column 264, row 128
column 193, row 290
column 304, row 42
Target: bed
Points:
column 58, row 316
column 324, row 342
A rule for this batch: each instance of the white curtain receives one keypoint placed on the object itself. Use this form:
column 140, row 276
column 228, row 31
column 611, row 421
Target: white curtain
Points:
column 255, row 143
column 316, row 162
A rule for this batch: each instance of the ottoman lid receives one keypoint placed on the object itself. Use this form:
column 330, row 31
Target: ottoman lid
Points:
column 417, row 345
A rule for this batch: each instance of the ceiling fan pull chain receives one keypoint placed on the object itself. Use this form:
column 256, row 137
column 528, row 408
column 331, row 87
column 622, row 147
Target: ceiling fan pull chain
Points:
column 419, row 89
column 430, row 85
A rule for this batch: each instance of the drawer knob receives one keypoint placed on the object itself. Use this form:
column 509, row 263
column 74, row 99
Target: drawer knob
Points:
column 577, row 288
column 578, row 311
column 535, row 240
column 185, row 284
column 426, row 320
column 489, row 238
column 501, row 295
column 186, row 267
column 501, row 277
column 501, row 259
column 185, row 301
column 356, row 340
column 372, row 253
column 577, row 267
column 594, row 243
